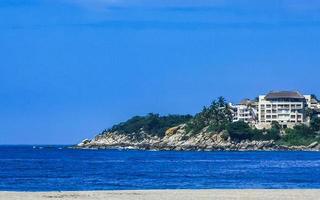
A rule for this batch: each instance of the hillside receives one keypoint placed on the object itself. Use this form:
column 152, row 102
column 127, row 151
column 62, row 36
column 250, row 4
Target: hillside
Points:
column 210, row 129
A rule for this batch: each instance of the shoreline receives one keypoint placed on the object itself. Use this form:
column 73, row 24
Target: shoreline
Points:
column 196, row 149
column 217, row 194
column 134, row 148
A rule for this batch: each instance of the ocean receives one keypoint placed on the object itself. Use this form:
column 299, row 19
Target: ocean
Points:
column 56, row 168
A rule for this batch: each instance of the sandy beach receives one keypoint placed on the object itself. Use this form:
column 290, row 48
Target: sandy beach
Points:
column 167, row 195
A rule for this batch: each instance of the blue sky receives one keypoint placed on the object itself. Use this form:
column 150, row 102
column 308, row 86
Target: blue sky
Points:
column 71, row 68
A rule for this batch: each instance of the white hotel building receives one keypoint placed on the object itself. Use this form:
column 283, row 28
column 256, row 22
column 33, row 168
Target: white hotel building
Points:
column 288, row 108
column 244, row 111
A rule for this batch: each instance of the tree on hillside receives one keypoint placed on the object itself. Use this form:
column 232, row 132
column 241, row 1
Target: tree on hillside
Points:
column 239, row 131
column 310, row 113
column 299, row 135
column 216, row 116
column 315, row 124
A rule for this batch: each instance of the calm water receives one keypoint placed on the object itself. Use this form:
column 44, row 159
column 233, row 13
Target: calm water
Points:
column 23, row 168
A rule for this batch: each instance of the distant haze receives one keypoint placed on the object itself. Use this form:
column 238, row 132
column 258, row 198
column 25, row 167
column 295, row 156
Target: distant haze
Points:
column 69, row 69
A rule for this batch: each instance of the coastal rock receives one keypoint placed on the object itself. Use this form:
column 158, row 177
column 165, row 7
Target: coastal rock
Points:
column 297, row 148
column 84, row 142
column 176, row 138
column 172, row 131
column 313, row 144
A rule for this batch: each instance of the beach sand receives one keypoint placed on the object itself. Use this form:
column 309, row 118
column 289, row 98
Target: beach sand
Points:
column 167, row 195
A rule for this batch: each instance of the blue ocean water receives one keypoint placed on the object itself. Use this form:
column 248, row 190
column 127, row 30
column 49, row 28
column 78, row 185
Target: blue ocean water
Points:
column 24, row 168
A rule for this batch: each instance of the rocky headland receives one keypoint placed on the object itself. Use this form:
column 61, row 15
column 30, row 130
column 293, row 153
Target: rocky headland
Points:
column 211, row 129
column 177, row 138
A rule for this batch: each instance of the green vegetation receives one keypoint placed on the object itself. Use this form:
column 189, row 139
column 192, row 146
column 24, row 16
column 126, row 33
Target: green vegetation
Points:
column 315, row 124
column 299, row 135
column 153, row 124
column 242, row 131
column 216, row 117
column 302, row 134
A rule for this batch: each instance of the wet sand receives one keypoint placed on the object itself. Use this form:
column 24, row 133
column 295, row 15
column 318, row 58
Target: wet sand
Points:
column 167, row 195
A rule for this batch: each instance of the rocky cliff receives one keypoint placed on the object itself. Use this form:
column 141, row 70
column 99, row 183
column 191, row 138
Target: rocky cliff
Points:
column 177, row 138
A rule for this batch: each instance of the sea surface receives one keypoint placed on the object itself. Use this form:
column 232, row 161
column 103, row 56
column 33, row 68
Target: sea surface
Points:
column 56, row 168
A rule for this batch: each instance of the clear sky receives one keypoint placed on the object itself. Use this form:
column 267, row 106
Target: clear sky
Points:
column 71, row 68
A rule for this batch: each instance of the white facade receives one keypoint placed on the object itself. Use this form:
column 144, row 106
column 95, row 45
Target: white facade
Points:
column 243, row 113
column 286, row 110
column 312, row 102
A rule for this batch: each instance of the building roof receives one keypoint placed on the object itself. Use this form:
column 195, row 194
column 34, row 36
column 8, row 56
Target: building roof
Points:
column 284, row 95
column 245, row 102
column 314, row 101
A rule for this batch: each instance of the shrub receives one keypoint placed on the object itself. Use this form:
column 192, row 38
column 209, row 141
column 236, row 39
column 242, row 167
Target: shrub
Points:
column 153, row 124
column 273, row 134
column 240, row 131
column 270, row 134
column 299, row 135
column 315, row 124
